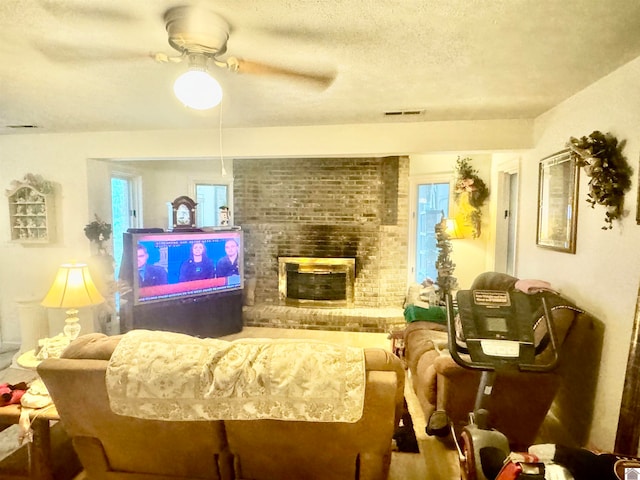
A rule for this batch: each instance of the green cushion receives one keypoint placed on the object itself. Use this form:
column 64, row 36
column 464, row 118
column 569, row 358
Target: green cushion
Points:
column 432, row 314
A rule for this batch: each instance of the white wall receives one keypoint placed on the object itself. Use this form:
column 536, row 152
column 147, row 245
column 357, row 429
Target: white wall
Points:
column 63, row 158
column 602, row 277
column 165, row 180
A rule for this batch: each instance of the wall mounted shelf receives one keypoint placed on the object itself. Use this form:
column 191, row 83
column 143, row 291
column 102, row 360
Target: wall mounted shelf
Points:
column 31, row 214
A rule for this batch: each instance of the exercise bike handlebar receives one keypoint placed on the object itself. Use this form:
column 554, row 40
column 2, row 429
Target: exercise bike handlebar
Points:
column 490, row 366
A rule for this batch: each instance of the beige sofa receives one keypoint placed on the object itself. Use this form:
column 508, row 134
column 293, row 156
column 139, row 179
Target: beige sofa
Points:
column 552, row 407
column 114, row 447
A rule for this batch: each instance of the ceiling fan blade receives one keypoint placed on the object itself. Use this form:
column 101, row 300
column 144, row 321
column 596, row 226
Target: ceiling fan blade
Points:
column 78, row 9
column 255, row 68
column 63, row 53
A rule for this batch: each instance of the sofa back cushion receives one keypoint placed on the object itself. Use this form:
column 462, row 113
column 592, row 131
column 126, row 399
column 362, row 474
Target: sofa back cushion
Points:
column 94, row 346
column 171, row 376
column 269, row 449
column 108, row 442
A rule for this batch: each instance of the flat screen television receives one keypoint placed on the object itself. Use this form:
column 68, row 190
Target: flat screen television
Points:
column 183, row 265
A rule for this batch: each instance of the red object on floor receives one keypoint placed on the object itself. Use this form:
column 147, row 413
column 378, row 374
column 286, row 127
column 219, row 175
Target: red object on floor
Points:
column 10, row 394
column 525, row 466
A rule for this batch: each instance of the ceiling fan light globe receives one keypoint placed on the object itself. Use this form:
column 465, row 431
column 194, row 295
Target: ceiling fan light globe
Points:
column 198, row 90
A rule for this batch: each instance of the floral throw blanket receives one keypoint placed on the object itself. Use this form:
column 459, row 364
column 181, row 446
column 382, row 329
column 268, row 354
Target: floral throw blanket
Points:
column 170, row 376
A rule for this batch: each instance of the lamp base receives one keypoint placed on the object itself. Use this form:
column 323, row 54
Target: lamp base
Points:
column 72, row 327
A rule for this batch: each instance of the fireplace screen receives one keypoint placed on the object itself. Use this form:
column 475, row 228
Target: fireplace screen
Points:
column 316, row 282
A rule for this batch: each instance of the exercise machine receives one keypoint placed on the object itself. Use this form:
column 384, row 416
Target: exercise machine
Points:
column 493, row 333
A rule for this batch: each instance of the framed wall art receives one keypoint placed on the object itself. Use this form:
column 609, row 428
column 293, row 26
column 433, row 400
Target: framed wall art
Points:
column 638, row 202
column 557, row 202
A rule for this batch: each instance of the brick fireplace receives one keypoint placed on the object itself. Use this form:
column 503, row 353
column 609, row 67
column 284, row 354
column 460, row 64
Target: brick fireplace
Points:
column 350, row 208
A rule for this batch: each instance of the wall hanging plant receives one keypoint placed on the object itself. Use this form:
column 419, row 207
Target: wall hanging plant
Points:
column 470, row 194
column 98, row 232
column 600, row 156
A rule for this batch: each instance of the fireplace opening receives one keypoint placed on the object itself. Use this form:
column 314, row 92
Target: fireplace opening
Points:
column 316, row 282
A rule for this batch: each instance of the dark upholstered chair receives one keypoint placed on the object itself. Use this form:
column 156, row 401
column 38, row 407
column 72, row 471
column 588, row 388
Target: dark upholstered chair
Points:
column 520, row 402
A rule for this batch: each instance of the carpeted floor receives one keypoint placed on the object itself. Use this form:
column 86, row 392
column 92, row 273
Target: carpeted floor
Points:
column 439, row 461
column 434, row 462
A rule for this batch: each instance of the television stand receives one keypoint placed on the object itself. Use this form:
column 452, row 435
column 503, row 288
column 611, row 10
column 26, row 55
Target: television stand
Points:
column 207, row 316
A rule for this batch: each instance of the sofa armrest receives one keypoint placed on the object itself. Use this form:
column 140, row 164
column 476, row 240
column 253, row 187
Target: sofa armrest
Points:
column 382, row 360
column 92, row 346
column 419, row 338
column 444, row 364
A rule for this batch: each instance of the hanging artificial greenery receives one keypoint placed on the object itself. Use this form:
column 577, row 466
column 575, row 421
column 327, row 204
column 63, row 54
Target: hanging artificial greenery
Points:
column 98, row 231
column 470, row 191
column 446, row 282
column 600, row 156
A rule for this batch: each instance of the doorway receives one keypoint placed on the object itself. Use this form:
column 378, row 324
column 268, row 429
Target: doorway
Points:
column 507, row 216
column 511, row 226
column 125, row 211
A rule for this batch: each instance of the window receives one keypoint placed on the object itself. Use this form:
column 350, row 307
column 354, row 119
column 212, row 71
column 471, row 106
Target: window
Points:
column 210, row 197
column 430, row 201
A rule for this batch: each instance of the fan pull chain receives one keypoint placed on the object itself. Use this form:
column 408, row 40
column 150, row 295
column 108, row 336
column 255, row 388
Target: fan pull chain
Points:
column 223, row 171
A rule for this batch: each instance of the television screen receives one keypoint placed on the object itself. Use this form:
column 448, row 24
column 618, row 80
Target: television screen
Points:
column 176, row 265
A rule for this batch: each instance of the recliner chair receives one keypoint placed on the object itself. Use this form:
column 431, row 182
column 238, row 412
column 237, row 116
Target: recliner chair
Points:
column 520, row 402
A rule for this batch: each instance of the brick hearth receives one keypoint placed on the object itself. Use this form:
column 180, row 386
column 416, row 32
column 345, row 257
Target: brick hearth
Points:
column 338, row 319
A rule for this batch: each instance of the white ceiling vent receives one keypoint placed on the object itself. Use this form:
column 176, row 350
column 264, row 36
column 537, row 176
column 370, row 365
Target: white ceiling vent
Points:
column 404, row 113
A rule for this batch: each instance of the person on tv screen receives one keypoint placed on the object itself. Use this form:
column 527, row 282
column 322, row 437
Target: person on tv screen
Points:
column 228, row 265
column 198, row 266
column 149, row 275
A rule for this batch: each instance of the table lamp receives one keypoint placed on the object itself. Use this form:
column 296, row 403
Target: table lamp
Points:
column 453, row 230
column 72, row 289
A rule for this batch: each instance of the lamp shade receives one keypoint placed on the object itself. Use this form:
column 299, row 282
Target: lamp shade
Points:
column 72, row 288
column 198, row 90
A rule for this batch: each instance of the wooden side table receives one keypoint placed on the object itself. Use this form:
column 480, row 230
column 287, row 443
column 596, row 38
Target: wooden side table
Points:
column 47, row 433
column 397, row 344
column 28, row 360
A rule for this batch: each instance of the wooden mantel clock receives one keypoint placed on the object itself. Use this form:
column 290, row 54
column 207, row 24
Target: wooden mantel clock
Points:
column 184, row 213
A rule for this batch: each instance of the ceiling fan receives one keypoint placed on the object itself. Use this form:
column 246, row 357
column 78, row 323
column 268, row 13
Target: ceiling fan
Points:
column 200, row 36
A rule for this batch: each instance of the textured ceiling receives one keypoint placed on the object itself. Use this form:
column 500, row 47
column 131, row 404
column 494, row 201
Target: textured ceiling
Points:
column 77, row 65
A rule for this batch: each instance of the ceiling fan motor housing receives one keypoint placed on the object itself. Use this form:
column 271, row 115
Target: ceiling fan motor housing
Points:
column 197, row 30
